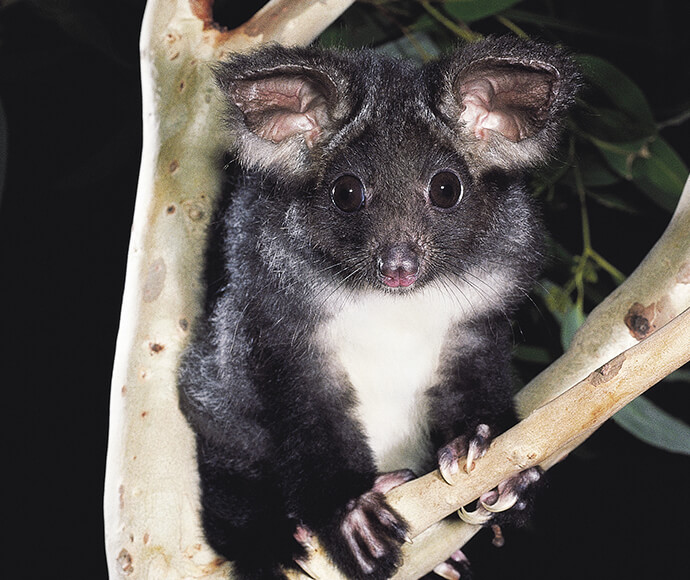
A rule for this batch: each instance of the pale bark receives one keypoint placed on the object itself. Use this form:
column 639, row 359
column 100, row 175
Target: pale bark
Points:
column 151, row 497
column 151, row 503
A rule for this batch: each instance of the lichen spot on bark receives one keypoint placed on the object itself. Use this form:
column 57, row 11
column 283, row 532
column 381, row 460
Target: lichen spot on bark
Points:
column 194, row 210
column 608, row 371
column 639, row 320
column 154, row 280
column 124, row 560
column 683, row 276
column 156, row 348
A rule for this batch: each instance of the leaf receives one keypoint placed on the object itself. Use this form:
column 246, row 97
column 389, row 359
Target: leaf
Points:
column 619, row 89
column 661, row 174
column 555, row 298
column 572, row 321
column 611, row 124
column 355, row 28
column 471, row 10
column 595, row 173
column 649, row 423
column 681, row 375
column 612, row 201
column 651, row 164
column 418, row 47
column 568, row 315
column 532, row 354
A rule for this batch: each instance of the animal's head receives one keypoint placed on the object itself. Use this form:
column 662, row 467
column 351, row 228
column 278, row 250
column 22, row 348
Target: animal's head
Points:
column 395, row 175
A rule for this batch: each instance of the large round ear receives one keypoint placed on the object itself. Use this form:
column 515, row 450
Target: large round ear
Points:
column 284, row 103
column 506, row 99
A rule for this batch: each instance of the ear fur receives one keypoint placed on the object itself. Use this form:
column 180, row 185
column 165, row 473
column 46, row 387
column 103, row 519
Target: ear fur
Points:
column 286, row 103
column 503, row 99
column 506, row 99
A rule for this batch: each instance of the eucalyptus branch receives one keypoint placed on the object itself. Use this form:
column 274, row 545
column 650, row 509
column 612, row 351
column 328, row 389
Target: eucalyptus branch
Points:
column 151, row 488
column 656, row 292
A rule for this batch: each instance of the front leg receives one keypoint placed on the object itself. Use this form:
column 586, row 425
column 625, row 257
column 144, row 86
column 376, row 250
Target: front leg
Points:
column 243, row 514
column 472, row 405
column 339, row 498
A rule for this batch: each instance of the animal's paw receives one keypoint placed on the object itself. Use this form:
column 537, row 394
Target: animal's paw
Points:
column 457, row 567
column 366, row 542
column 471, row 449
column 373, row 530
column 511, row 493
column 462, row 453
column 365, row 539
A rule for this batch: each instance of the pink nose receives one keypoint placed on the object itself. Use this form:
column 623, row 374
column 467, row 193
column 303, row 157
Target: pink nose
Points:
column 399, row 266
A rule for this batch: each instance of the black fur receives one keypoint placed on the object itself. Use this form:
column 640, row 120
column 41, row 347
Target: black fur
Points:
column 281, row 440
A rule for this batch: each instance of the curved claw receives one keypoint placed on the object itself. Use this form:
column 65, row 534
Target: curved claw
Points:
column 477, row 517
column 469, row 461
column 304, row 566
column 478, row 446
column 446, row 571
column 448, row 462
column 503, row 503
column 304, row 537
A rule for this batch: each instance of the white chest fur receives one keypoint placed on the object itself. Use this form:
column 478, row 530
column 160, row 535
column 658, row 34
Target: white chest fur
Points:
column 390, row 347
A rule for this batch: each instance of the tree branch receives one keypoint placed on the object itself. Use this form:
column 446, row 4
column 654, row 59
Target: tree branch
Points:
column 657, row 291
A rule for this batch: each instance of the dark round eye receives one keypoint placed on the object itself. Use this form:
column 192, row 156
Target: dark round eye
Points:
column 348, row 193
column 445, row 190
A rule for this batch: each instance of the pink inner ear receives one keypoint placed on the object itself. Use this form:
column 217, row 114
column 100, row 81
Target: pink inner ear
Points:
column 282, row 107
column 513, row 104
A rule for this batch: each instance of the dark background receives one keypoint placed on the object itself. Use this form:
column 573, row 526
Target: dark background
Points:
column 69, row 86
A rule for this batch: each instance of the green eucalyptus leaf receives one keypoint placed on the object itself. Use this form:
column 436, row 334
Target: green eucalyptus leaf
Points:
column 532, row 354
column 571, row 322
column 355, row 28
column 597, row 174
column 612, row 201
column 471, row 10
column 419, row 48
column 647, row 422
column 652, row 165
column 681, row 375
column 611, row 124
column 661, row 174
column 568, row 314
column 619, row 89
column 621, row 156
column 555, row 298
